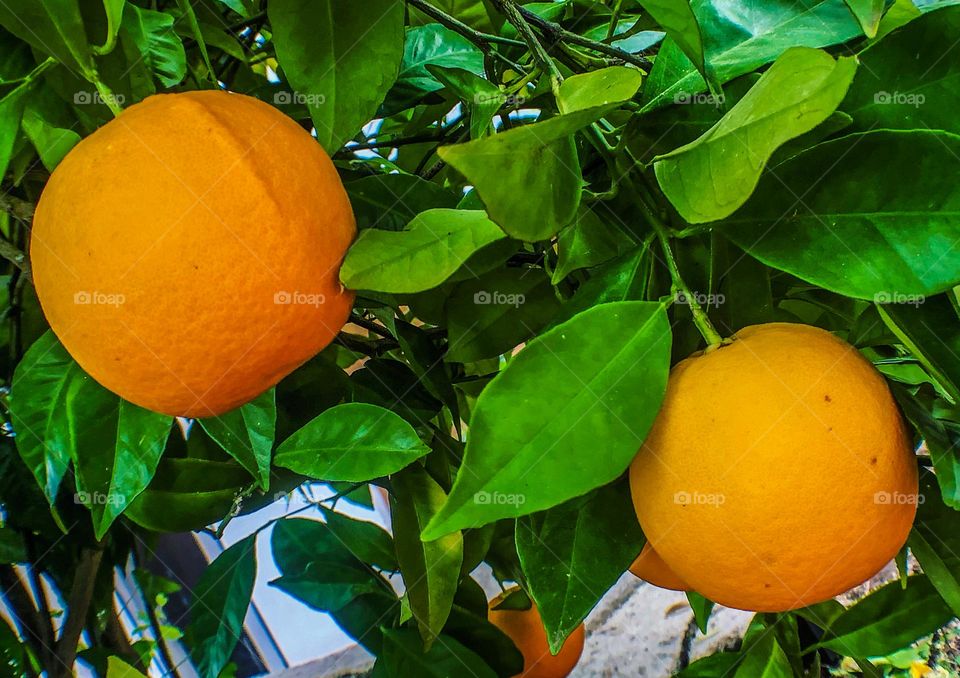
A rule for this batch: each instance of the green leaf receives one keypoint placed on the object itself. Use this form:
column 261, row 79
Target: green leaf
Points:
column 403, row 655
column 765, row 659
column 623, row 279
column 247, row 433
column 701, row 609
column 904, row 83
column 677, row 19
column 117, row 668
column 369, row 542
column 742, row 41
column 435, row 244
column 719, row 665
column 541, row 158
column 221, row 599
column 61, row 414
column 847, row 234
column 930, row 329
column 425, row 46
column 159, row 45
column 390, row 201
column 187, row 9
column 708, row 179
column 116, row 453
column 582, row 385
column 473, row 630
column 113, row 9
column 868, row 13
column 302, row 544
column 888, row 619
column 353, row 441
column 585, row 243
column 482, row 97
column 11, row 114
column 343, row 56
column 53, row 27
column 574, row 552
column 431, row 569
column 52, row 143
column 935, row 542
column 611, row 85
column 494, row 313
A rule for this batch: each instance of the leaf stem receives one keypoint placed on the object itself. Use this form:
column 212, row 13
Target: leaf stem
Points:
column 107, row 95
column 678, row 285
column 519, row 20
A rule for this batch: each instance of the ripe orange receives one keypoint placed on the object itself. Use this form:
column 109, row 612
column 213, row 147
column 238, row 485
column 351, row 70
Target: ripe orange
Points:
column 778, row 472
column 187, row 253
column 649, row 567
column 525, row 629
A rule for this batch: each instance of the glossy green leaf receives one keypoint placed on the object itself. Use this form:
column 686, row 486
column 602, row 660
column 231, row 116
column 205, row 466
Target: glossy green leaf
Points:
column 482, row 97
column 494, row 313
column 425, row 46
column 390, row 201
column 935, row 542
column 904, row 81
column 701, row 609
column 353, row 441
column 11, row 113
column 625, row 278
column 611, row 85
column 341, row 56
column 369, row 542
column 434, row 245
column 54, row 27
column 542, row 158
column 583, row 384
column 403, row 655
column 472, row 630
column 676, row 17
column 868, row 13
column 574, row 552
column 62, row 415
column 117, row 668
column 888, row 619
column 431, row 569
column 221, row 599
column 742, row 41
column 930, row 329
column 846, row 234
column 160, row 47
column 247, row 433
column 709, row 178
column 52, row 142
column 587, row 242
column 765, row 659
column 719, row 665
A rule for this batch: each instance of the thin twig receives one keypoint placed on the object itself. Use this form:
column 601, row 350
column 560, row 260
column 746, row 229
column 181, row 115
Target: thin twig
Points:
column 78, row 603
column 519, row 21
column 454, row 24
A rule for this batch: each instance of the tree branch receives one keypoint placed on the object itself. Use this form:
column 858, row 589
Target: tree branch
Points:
column 476, row 37
column 21, row 602
column 78, row 603
column 519, row 21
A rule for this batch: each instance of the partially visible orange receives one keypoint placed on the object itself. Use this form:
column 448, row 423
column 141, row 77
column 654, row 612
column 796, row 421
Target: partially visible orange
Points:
column 649, row 567
column 778, row 473
column 525, row 629
column 187, row 253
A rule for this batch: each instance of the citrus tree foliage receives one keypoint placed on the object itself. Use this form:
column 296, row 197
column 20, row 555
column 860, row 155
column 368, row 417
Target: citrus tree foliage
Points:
column 602, row 183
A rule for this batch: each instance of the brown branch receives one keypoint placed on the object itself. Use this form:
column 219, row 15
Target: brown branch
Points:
column 78, row 603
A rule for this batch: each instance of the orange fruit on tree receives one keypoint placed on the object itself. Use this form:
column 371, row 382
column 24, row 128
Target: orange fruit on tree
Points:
column 649, row 567
column 778, row 473
column 525, row 629
column 187, row 253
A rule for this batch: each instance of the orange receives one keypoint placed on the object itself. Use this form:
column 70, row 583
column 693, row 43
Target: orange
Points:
column 778, row 473
column 525, row 629
column 649, row 567
column 187, row 253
